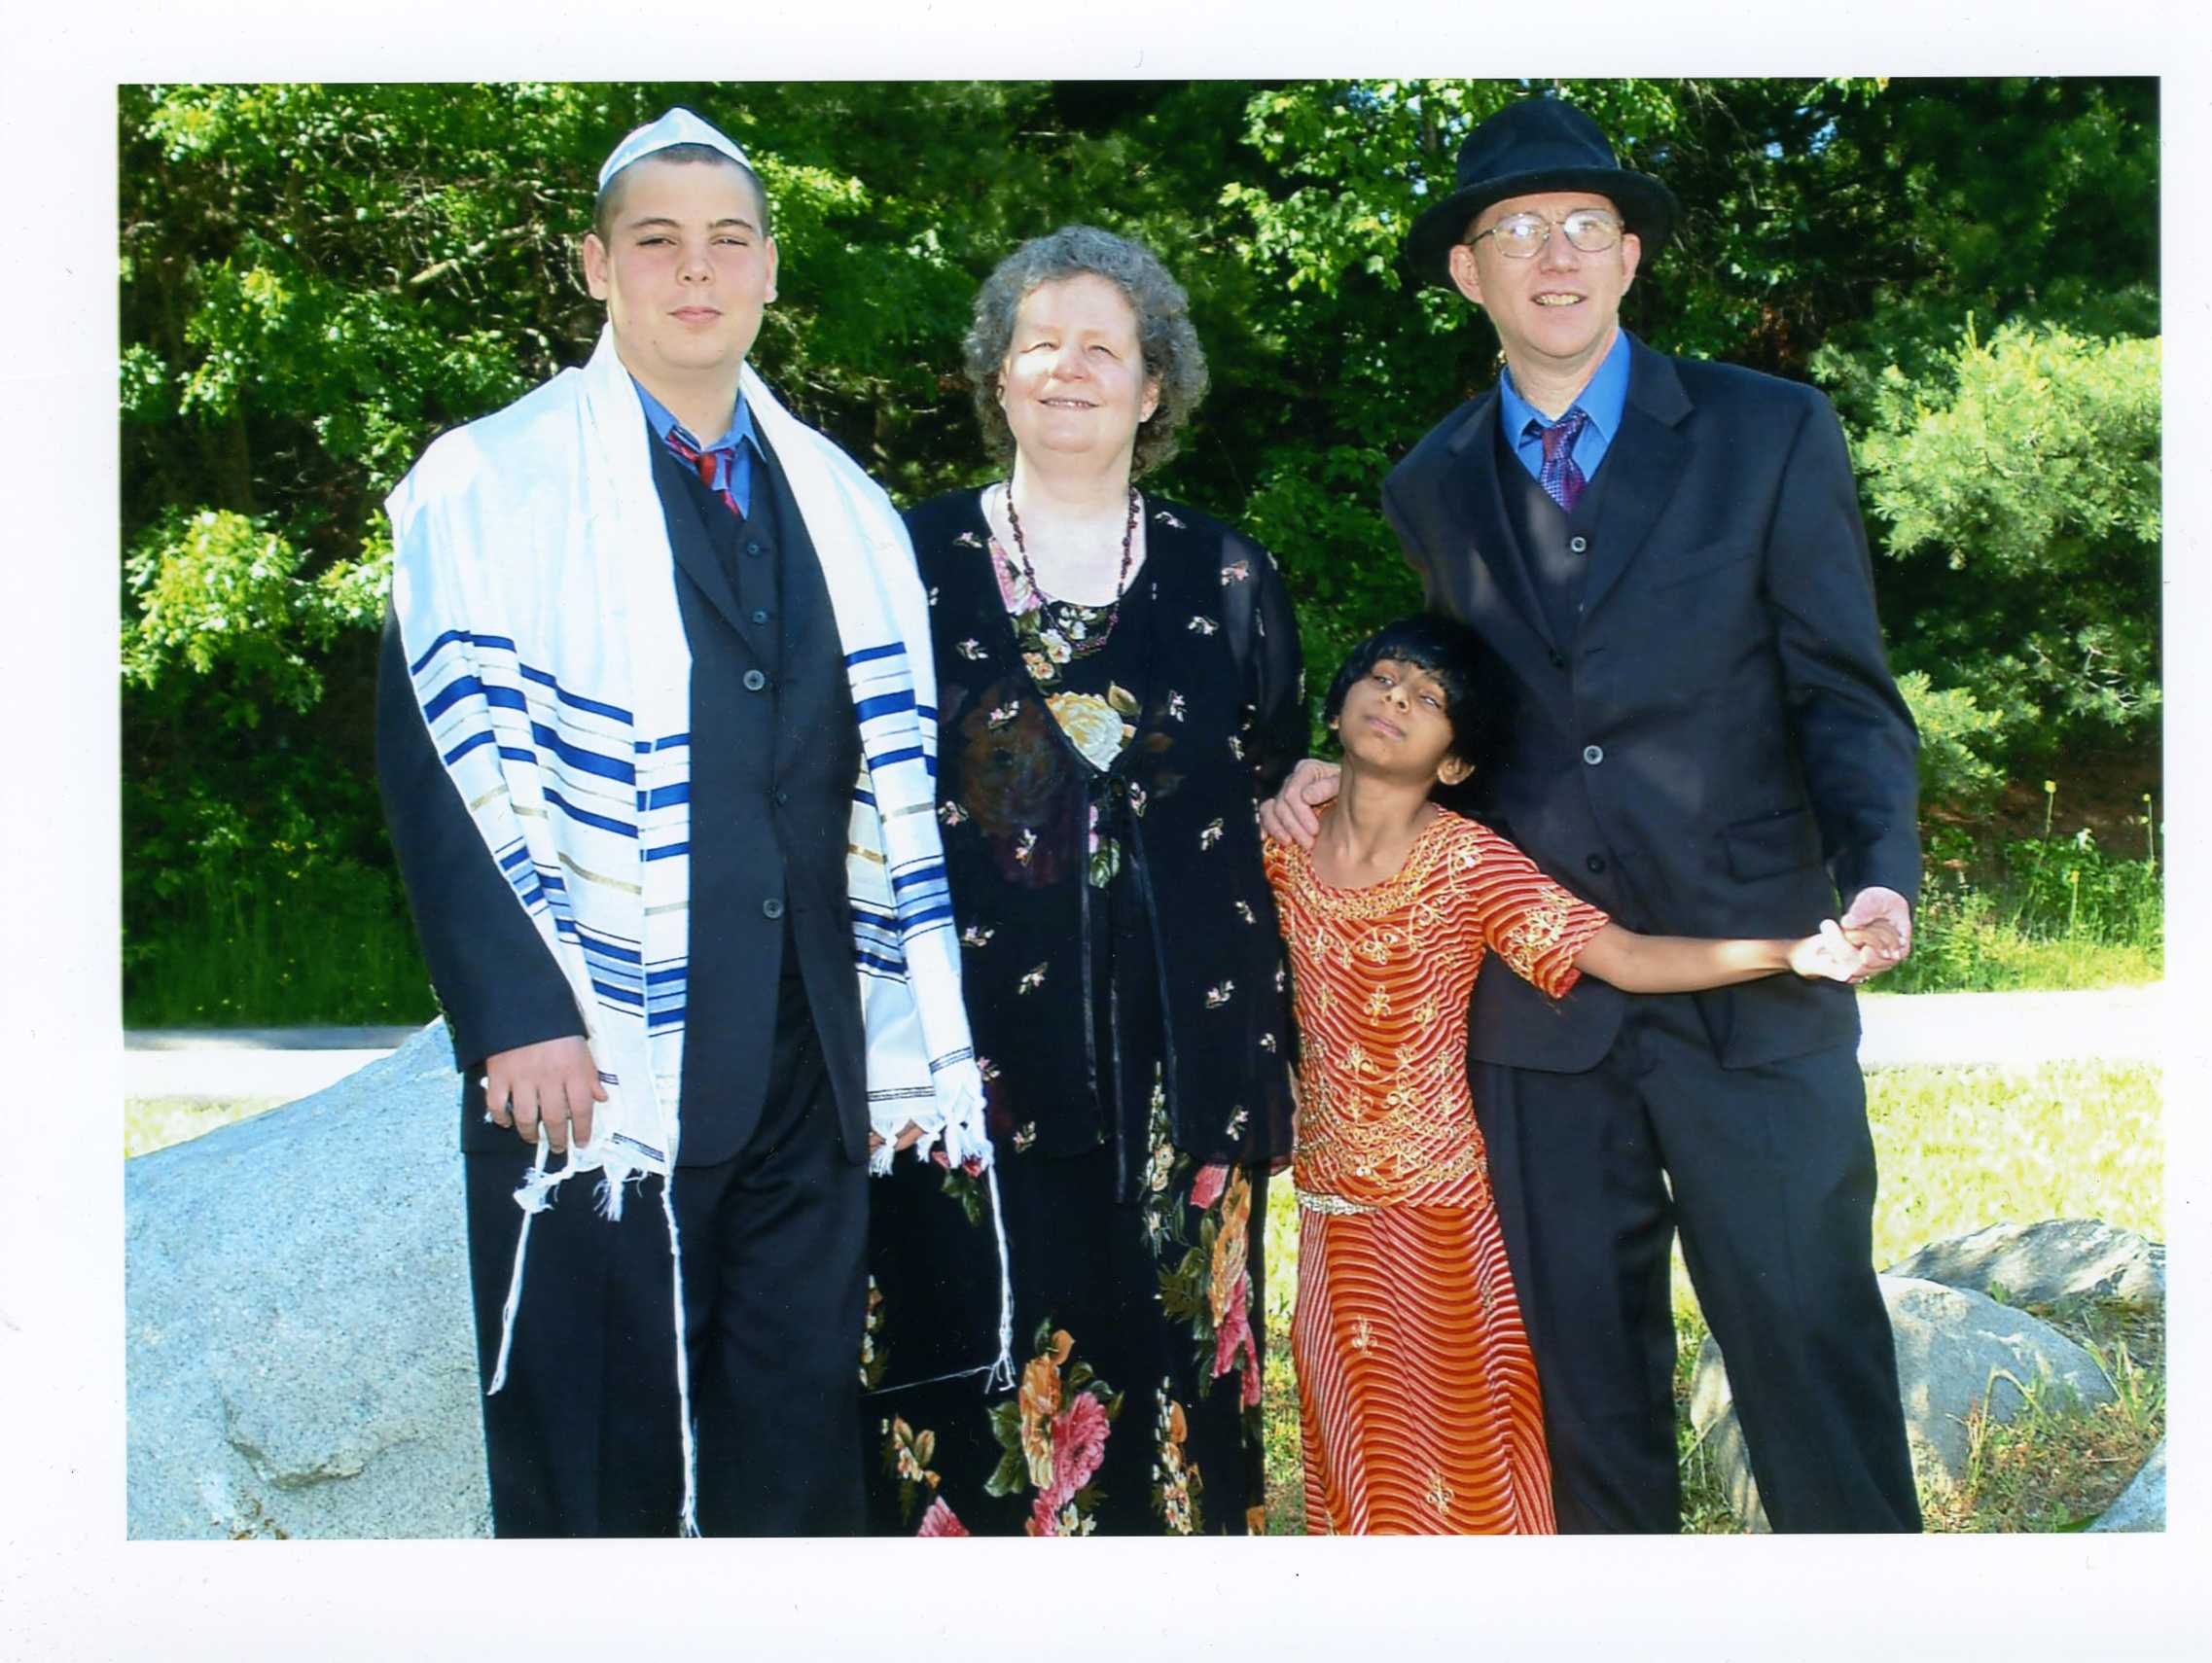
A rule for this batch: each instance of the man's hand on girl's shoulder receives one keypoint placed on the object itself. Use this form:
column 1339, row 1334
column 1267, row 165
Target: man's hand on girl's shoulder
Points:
column 1289, row 815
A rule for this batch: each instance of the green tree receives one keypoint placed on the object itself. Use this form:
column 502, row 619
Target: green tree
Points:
column 316, row 280
column 2022, row 476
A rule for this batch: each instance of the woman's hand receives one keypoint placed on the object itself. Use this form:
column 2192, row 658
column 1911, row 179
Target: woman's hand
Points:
column 906, row 1139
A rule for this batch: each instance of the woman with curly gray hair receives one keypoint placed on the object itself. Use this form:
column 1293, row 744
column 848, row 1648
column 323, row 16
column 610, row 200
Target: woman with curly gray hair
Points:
column 1118, row 686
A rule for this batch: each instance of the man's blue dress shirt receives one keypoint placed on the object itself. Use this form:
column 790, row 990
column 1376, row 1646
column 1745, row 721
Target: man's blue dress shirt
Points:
column 1602, row 398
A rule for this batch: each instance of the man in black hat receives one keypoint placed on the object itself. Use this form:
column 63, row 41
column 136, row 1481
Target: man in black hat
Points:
column 1665, row 558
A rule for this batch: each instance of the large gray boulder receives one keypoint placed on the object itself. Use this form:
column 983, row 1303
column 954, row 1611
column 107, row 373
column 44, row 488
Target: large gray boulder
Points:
column 298, row 1353
column 2142, row 1505
column 2047, row 1263
column 1955, row 1348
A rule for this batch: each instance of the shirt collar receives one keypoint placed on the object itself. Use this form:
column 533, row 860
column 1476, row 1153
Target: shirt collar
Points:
column 1603, row 397
column 739, row 430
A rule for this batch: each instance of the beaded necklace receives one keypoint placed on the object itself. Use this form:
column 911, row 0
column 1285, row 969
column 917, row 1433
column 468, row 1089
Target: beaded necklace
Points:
column 1083, row 643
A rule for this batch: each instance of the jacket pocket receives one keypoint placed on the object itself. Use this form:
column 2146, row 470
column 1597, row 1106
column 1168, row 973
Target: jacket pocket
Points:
column 1699, row 563
column 1785, row 841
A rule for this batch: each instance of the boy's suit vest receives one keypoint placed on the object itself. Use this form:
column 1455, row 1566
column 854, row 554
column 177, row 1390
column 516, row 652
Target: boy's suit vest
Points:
column 775, row 749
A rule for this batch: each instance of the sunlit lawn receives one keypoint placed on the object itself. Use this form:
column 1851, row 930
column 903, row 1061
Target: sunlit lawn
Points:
column 150, row 1123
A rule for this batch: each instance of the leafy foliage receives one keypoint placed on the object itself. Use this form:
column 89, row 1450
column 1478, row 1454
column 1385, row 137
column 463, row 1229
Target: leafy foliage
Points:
column 2029, row 465
column 318, row 279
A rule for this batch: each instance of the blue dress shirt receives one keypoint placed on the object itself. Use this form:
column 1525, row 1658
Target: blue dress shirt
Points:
column 1602, row 398
column 732, row 452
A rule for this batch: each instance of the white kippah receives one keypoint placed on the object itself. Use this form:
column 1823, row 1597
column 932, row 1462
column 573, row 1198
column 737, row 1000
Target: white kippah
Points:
column 678, row 127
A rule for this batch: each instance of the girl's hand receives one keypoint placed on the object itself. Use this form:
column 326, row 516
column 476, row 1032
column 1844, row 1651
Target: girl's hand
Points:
column 1828, row 956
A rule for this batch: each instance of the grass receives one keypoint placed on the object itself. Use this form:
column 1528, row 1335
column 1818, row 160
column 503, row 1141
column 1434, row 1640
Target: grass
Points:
column 2056, row 1466
column 1959, row 1149
column 263, row 962
column 150, row 1123
column 2047, row 912
column 1963, row 944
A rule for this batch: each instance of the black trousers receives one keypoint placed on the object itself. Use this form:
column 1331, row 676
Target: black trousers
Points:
column 582, row 1440
column 1769, row 1173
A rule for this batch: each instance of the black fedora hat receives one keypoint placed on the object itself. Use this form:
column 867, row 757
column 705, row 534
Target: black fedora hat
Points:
column 1532, row 146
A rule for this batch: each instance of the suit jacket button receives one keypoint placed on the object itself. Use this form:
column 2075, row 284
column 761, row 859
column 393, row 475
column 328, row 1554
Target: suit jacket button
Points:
column 754, row 548
column 1596, row 863
column 755, row 681
column 782, row 798
column 1594, row 754
column 760, row 615
column 771, row 907
column 1558, row 661
column 1576, row 545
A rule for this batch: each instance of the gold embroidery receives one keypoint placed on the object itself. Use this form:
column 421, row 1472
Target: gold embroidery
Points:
column 1312, row 1201
column 1541, row 929
column 1383, row 1116
column 1439, row 1493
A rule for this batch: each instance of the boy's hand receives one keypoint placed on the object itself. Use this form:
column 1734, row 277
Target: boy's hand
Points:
column 546, row 1089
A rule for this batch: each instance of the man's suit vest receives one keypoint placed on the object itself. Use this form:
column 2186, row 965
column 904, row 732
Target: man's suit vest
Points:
column 1553, row 544
column 774, row 751
column 1551, row 547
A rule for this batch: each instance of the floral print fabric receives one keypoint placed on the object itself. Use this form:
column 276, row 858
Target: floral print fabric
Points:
column 1125, row 980
column 1136, row 1408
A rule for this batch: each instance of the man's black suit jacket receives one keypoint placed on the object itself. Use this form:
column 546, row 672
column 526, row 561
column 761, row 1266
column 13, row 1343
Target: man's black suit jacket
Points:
column 1720, row 749
column 772, row 764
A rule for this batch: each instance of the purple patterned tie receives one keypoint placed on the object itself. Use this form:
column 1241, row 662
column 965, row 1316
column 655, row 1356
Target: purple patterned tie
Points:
column 1562, row 480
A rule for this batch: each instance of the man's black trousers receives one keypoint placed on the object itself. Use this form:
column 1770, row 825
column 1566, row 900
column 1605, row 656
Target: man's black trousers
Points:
column 582, row 1440
column 1769, row 1173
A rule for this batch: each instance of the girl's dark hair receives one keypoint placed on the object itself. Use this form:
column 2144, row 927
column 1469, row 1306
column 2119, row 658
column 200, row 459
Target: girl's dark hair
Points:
column 1452, row 652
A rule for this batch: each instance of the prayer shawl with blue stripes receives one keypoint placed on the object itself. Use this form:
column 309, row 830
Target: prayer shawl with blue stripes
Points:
column 535, row 592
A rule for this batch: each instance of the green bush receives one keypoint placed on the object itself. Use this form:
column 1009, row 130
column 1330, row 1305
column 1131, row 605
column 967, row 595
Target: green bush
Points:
column 1955, row 735
column 2039, row 913
column 2019, row 482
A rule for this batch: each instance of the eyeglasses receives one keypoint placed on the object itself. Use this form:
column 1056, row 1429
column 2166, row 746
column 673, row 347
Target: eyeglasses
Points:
column 1522, row 236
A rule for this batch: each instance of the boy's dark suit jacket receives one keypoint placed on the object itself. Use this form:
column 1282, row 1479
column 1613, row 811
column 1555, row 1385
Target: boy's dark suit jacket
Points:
column 774, row 751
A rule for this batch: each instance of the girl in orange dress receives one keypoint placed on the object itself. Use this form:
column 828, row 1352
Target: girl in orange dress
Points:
column 1418, row 1393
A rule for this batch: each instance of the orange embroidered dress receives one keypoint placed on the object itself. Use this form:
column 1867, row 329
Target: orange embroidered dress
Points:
column 1417, row 1393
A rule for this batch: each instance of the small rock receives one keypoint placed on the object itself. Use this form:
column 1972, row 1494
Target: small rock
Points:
column 1954, row 1347
column 2046, row 1264
column 2142, row 1505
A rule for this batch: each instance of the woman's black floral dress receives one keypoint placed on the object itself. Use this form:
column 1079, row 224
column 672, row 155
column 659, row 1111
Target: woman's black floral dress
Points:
column 1124, row 978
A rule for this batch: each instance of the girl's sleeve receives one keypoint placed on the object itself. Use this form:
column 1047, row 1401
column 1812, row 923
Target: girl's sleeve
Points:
column 1536, row 928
